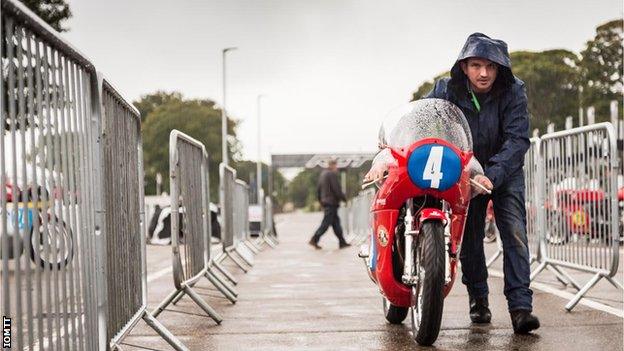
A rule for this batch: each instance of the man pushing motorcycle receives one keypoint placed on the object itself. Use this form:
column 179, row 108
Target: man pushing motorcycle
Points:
column 494, row 103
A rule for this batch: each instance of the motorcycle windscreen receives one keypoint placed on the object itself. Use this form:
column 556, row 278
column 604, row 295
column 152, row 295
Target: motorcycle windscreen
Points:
column 426, row 118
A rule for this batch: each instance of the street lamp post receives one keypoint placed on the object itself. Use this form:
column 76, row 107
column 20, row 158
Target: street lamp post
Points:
column 224, row 153
column 259, row 164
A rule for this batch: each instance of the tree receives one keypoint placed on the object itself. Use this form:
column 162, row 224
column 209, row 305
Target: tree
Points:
column 302, row 189
column 427, row 86
column 245, row 169
column 150, row 102
column 601, row 69
column 53, row 12
column 550, row 79
column 197, row 118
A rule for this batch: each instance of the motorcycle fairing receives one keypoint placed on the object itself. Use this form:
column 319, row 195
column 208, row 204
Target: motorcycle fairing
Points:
column 392, row 195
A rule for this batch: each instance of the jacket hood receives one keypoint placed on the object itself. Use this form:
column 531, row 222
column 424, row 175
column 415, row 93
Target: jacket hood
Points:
column 480, row 45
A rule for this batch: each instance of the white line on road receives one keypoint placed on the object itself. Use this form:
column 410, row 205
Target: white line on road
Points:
column 153, row 276
column 566, row 295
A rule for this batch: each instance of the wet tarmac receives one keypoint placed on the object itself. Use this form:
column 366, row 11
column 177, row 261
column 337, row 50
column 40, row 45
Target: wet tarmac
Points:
column 298, row 298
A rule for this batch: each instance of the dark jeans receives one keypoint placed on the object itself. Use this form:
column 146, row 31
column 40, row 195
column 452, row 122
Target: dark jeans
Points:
column 330, row 219
column 510, row 214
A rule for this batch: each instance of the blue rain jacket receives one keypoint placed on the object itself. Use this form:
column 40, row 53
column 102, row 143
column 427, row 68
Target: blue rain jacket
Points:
column 500, row 131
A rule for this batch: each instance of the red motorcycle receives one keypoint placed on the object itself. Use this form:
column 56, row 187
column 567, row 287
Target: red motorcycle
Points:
column 419, row 212
column 582, row 212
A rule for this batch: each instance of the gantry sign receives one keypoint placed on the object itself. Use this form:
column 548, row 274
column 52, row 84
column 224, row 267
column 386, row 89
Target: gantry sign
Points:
column 344, row 160
column 350, row 160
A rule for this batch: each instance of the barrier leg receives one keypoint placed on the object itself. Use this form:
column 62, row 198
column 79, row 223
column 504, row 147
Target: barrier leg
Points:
column 537, row 270
column 566, row 276
column 225, row 272
column 238, row 250
column 161, row 307
column 163, row 332
column 224, row 283
column 238, row 262
column 615, row 283
column 220, row 287
column 251, row 247
column 493, row 258
column 259, row 242
column 583, row 291
column 560, row 277
column 204, row 306
column 178, row 297
column 270, row 242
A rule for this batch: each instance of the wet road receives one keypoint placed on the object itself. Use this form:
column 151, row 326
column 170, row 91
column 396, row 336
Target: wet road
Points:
column 297, row 298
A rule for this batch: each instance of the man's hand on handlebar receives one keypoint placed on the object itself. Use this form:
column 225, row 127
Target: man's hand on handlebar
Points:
column 376, row 172
column 484, row 182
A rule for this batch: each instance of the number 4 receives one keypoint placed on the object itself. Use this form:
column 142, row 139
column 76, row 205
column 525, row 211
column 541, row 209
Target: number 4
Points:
column 433, row 167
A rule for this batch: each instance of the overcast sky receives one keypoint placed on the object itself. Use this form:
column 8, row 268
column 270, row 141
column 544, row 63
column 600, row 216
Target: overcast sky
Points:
column 331, row 69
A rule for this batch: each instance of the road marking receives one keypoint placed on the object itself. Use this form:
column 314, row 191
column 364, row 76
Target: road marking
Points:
column 46, row 340
column 566, row 295
column 153, row 276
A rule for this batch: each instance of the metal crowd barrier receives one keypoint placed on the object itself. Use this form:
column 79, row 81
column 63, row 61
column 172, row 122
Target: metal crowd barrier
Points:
column 230, row 207
column 270, row 221
column 579, row 218
column 71, row 196
column 266, row 226
column 267, row 231
column 241, row 222
column 249, row 246
column 190, row 223
column 46, row 219
column 343, row 216
column 531, row 194
column 571, row 202
column 361, row 216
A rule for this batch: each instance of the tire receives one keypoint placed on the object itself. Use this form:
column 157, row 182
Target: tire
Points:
column 394, row 314
column 491, row 232
column 64, row 241
column 559, row 223
column 427, row 294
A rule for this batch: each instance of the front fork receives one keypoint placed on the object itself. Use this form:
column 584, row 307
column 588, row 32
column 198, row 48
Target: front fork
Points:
column 409, row 277
column 447, row 244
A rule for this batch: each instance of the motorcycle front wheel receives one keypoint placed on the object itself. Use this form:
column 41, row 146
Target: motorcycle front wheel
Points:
column 427, row 294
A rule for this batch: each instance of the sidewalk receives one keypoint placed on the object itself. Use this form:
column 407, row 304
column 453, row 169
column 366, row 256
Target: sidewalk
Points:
column 297, row 298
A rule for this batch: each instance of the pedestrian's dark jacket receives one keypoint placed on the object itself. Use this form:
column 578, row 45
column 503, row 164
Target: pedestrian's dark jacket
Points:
column 328, row 191
column 500, row 131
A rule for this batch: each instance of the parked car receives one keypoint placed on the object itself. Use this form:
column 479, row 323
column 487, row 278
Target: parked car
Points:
column 159, row 230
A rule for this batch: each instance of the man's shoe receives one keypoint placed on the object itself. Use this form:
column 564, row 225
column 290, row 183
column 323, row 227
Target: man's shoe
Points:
column 479, row 310
column 315, row 244
column 344, row 245
column 523, row 321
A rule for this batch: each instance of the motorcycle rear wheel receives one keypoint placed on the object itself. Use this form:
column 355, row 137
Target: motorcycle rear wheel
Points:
column 52, row 249
column 491, row 232
column 394, row 314
column 428, row 294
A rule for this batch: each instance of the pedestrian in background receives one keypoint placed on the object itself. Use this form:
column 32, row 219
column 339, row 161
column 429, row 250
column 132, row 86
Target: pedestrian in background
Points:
column 329, row 194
